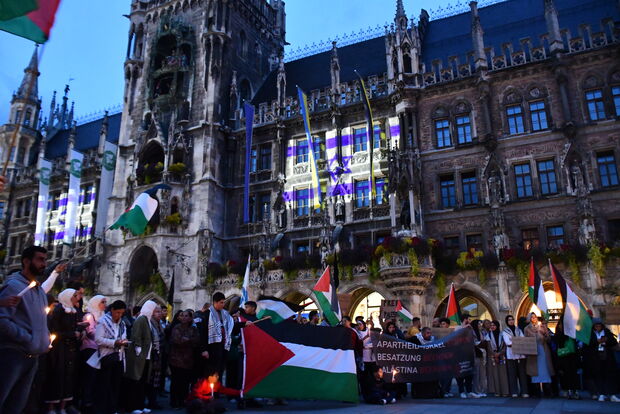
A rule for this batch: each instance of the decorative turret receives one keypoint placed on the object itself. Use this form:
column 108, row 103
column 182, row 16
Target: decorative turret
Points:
column 402, row 46
column 29, row 82
column 103, row 134
column 335, row 69
column 553, row 27
column 477, row 38
column 400, row 20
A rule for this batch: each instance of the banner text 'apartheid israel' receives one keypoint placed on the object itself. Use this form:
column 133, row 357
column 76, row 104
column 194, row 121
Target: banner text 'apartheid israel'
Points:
column 402, row 361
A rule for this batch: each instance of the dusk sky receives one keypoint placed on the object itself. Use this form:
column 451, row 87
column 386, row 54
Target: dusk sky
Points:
column 89, row 40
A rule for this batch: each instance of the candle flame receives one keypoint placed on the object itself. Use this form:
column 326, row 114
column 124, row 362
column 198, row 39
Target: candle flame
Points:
column 47, row 310
column 52, row 338
column 32, row 284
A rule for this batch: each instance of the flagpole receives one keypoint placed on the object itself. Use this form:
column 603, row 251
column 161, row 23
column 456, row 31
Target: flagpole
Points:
column 21, row 116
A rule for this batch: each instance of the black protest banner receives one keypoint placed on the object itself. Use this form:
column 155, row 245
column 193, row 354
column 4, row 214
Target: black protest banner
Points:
column 402, row 361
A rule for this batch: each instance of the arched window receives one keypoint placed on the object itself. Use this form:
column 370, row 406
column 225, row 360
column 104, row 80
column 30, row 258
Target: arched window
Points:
column 594, row 99
column 514, row 112
column 407, row 59
column 441, row 125
column 470, row 304
column 245, row 91
column 28, row 117
column 151, row 164
column 463, row 123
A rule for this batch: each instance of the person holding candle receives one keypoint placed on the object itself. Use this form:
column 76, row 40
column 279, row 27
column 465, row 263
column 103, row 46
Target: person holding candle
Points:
column 23, row 331
column 95, row 310
column 183, row 343
column 62, row 358
column 203, row 398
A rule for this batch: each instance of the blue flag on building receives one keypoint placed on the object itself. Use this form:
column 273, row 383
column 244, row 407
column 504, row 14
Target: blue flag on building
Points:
column 249, row 124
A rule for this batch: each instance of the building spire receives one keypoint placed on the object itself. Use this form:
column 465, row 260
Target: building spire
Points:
column 553, row 27
column 477, row 37
column 400, row 20
column 400, row 9
column 29, row 82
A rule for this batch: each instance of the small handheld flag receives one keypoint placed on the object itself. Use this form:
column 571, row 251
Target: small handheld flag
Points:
column 327, row 298
column 536, row 290
column 246, row 283
column 277, row 309
column 170, row 298
column 403, row 313
column 453, row 311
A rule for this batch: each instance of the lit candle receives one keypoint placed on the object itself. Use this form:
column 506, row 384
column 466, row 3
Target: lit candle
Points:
column 52, row 337
column 394, row 372
column 212, row 391
column 47, row 310
column 30, row 286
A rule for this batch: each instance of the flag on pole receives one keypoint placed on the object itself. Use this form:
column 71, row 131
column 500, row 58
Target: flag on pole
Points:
column 315, row 191
column 327, row 297
column 143, row 209
column 577, row 321
column 403, row 313
column 302, row 361
column 35, row 25
column 249, row 125
column 75, row 159
column 170, row 299
column 453, row 311
column 45, row 172
column 10, row 9
column 370, row 136
column 277, row 309
column 536, row 289
column 246, row 283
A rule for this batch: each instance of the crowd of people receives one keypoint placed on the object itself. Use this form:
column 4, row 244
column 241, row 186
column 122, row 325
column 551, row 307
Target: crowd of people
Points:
column 66, row 354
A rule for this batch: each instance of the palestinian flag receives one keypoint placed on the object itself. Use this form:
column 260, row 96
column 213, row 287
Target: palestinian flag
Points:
column 35, row 25
column 170, row 299
column 403, row 313
column 15, row 8
column 577, row 321
column 303, row 362
column 143, row 209
column 327, row 298
column 536, row 290
column 453, row 311
column 276, row 308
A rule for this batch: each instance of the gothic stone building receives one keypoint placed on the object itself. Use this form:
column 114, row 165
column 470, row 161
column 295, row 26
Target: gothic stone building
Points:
column 496, row 138
column 51, row 138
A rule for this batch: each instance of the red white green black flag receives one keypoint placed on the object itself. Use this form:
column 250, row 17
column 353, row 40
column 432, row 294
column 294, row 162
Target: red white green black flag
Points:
column 25, row 19
column 453, row 311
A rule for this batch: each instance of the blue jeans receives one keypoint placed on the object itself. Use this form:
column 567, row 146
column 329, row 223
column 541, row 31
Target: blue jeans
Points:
column 18, row 371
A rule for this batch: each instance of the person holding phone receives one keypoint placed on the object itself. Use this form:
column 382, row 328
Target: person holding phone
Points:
column 111, row 339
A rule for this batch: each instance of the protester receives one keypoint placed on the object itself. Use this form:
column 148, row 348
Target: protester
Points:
column 313, row 317
column 465, row 382
column 138, row 369
column 399, row 388
column 481, row 343
column 23, row 331
column 427, row 389
column 156, row 374
column 95, row 309
column 601, row 361
column 446, row 384
column 216, row 334
column 515, row 363
column 567, row 361
column 414, row 329
column 496, row 362
column 111, row 339
column 435, row 323
column 540, row 366
column 183, row 341
column 62, row 358
column 203, row 399
column 377, row 390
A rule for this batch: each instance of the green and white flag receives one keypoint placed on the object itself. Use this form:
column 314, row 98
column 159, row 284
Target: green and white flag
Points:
column 278, row 310
column 45, row 172
column 75, row 178
column 140, row 213
column 403, row 313
column 106, row 182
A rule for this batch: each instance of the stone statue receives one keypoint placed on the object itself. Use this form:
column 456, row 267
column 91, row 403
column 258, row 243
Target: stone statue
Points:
column 205, row 245
column 495, row 190
column 405, row 215
column 165, row 203
column 131, row 183
column 279, row 205
column 500, row 241
column 579, row 185
column 587, row 231
column 340, row 213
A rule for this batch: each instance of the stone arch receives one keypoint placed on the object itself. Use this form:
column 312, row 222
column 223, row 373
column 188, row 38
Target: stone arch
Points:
column 535, row 91
column 359, row 293
column 474, row 291
column 151, row 163
column 613, row 78
column 592, row 80
column 151, row 296
column 440, row 111
column 511, row 96
column 143, row 264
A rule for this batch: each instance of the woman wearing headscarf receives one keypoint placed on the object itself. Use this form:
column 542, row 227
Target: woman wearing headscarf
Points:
column 156, row 376
column 94, row 312
column 540, row 366
column 601, row 361
column 515, row 363
column 111, row 339
column 481, row 343
column 566, row 361
column 62, row 357
column 183, row 342
column 496, row 362
column 139, row 358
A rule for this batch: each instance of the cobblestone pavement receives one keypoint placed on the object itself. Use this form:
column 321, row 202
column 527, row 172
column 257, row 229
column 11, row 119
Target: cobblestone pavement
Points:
column 440, row 406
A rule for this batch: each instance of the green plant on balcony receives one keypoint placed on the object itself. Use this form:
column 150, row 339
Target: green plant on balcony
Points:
column 596, row 254
column 177, row 168
column 214, row 271
column 373, row 271
column 155, row 284
column 415, row 263
column 173, row 219
column 440, row 284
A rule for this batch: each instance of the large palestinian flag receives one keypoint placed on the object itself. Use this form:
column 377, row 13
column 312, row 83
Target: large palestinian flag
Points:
column 577, row 321
column 140, row 213
column 290, row 360
column 27, row 18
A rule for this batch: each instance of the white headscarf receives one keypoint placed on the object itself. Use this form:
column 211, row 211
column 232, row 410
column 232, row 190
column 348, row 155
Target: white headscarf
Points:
column 65, row 300
column 147, row 309
column 93, row 306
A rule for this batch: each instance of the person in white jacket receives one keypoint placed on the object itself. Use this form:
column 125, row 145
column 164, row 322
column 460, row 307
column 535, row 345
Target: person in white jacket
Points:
column 515, row 363
column 111, row 339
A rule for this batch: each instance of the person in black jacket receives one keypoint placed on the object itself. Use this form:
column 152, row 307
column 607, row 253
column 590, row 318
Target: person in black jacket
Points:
column 601, row 361
column 377, row 391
